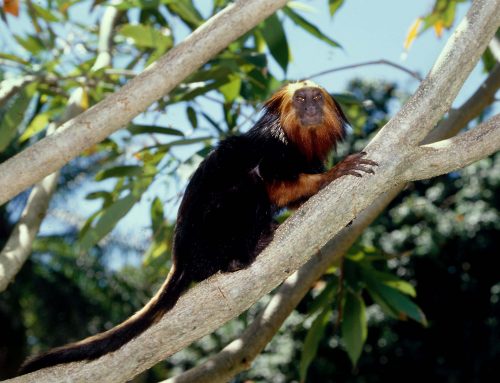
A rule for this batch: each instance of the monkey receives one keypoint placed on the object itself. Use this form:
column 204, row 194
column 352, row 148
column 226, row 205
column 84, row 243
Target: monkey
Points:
column 227, row 215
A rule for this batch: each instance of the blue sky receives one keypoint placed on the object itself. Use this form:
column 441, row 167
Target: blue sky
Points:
column 371, row 30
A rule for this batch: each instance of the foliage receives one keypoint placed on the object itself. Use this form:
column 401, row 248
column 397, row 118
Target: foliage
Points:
column 84, row 277
column 440, row 18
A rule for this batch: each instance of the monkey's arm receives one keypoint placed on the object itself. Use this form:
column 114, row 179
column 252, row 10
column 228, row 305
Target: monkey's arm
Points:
column 288, row 192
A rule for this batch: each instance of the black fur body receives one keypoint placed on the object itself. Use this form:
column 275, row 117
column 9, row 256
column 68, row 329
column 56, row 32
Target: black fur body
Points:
column 225, row 219
column 227, row 214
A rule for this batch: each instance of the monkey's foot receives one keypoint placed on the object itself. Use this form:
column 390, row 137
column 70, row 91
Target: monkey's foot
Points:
column 235, row 265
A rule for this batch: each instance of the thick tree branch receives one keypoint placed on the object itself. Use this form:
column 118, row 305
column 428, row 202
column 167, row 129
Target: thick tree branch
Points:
column 238, row 355
column 118, row 109
column 454, row 153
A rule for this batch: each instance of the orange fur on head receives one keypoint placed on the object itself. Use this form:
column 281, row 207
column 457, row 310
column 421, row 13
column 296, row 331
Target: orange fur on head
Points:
column 313, row 141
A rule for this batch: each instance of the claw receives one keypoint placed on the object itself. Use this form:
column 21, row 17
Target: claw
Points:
column 368, row 162
column 354, row 173
column 353, row 165
column 365, row 169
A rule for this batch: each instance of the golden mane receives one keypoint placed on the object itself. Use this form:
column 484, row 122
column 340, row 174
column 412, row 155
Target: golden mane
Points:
column 313, row 141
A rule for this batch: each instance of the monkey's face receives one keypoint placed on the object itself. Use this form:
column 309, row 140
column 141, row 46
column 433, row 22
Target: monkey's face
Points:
column 308, row 104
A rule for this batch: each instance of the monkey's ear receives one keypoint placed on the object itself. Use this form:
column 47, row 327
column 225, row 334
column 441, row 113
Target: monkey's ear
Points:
column 274, row 103
column 341, row 116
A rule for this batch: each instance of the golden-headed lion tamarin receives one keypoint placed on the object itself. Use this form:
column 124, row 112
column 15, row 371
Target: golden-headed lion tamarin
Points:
column 226, row 216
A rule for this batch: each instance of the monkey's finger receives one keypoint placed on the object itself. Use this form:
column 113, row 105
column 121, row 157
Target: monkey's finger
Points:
column 354, row 173
column 355, row 156
column 368, row 162
column 365, row 169
column 364, row 160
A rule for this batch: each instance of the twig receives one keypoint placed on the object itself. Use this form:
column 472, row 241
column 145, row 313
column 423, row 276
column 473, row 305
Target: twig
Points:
column 413, row 74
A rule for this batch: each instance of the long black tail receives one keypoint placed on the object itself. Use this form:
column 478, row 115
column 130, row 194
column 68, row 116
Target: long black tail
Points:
column 111, row 340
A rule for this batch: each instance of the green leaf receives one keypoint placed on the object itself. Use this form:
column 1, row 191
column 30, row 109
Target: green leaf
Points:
column 119, row 171
column 402, row 286
column 13, row 118
column 325, row 298
column 107, row 221
column 212, row 122
column 146, row 36
column 449, row 14
column 53, row 245
column 334, row 5
column 37, row 124
column 185, row 141
column 231, row 90
column 11, row 57
column 220, row 73
column 393, row 301
column 195, row 90
column 157, row 215
column 149, row 129
column 300, row 6
column 256, row 59
column 44, row 13
column 308, row 27
column 191, row 114
column 106, row 196
column 354, row 326
column 186, row 11
column 489, row 60
column 275, row 38
column 401, row 304
column 391, row 281
column 31, row 43
column 312, row 341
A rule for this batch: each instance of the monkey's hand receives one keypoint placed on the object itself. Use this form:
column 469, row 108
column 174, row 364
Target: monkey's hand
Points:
column 352, row 165
column 291, row 193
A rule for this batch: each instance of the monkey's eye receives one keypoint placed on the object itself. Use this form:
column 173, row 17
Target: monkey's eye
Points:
column 317, row 97
column 300, row 98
